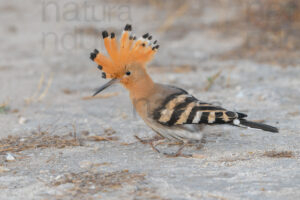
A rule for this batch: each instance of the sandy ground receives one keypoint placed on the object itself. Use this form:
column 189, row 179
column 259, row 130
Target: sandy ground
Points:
column 57, row 143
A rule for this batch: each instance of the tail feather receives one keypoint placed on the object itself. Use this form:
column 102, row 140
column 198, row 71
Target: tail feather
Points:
column 257, row 125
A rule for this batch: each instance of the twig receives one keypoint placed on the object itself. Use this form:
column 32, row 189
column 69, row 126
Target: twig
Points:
column 211, row 80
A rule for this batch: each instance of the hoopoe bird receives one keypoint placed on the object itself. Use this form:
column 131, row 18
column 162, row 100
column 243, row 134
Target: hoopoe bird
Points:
column 169, row 111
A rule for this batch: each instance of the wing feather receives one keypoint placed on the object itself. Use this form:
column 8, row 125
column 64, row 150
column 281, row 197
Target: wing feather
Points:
column 182, row 108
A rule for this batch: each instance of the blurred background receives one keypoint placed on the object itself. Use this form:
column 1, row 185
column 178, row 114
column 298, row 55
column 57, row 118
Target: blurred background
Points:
column 243, row 55
column 45, row 45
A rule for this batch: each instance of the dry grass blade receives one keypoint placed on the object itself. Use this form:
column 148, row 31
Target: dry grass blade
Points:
column 279, row 154
column 38, row 95
column 171, row 19
column 90, row 182
column 44, row 93
column 101, row 138
column 37, row 140
column 211, row 80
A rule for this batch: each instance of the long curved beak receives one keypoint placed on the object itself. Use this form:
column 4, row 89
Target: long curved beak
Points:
column 103, row 87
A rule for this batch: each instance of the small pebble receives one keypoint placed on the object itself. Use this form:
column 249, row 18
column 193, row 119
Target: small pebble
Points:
column 22, row 120
column 92, row 187
column 10, row 157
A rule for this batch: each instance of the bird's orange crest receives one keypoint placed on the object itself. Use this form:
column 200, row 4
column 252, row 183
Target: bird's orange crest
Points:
column 128, row 50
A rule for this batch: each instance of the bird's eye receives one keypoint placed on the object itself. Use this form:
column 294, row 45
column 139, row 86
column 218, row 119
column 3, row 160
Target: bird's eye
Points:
column 128, row 73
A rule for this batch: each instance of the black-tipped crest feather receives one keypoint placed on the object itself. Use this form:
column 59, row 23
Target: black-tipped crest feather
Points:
column 104, row 34
column 93, row 56
column 145, row 35
column 128, row 27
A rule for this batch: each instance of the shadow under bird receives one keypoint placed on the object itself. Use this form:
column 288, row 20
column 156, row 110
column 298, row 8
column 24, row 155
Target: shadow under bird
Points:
column 169, row 111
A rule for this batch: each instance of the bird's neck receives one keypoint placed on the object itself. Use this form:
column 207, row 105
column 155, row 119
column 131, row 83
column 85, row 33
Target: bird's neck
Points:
column 142, row 88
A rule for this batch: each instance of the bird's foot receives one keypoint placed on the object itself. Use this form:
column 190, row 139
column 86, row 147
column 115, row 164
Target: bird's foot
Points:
column 148, row 141
column 155, row 143
column 179, row 153
column 156, row 140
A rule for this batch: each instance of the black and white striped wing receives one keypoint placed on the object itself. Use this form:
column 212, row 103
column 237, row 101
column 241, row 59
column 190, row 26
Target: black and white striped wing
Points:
column 182, row 108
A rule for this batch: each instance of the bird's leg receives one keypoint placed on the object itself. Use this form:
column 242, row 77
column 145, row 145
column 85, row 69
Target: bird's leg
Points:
column 148, row 141
column 178, row 153
column 155, row 143
column 156, row 140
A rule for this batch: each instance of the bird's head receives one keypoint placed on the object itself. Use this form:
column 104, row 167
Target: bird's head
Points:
column 126, row 60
